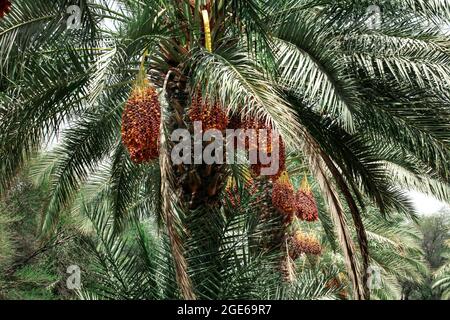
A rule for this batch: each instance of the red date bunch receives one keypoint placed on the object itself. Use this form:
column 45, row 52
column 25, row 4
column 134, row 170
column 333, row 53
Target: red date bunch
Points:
column 336, row 283
column 262, row 143
column 279, row 156
column 233, row 196
column 283, row 198
column 254, row 142
column 5, row 7
column 232, row 191
column 300, row 243
column 306, row 206
column 140, row 124
column 211, row 115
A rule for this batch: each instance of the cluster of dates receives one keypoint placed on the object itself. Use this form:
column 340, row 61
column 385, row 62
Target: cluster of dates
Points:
column 295, row 207
column 291, row 204
column 5, row 7
column 141, row 124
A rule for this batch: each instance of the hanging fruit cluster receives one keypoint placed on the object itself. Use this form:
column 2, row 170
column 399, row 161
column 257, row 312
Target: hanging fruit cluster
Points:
column 140, row 124
column 256, row 142
column 293, row 209
column 262, row 140
column 233, row 194
column 301, row 243
column 211, row 116
column 297, row 244
column 336, row 283
column 5, row 7
column 306, row 206
column 279, row 156
column 283, row 197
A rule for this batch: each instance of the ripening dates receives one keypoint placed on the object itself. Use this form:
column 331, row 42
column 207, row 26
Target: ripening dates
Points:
column 240, row 309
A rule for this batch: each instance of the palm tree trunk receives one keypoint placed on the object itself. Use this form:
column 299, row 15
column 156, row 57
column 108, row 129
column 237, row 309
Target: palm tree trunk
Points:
column 171, row 219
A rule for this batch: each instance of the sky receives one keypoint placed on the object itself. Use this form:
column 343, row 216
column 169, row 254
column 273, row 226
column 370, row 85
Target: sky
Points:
column 425, row 204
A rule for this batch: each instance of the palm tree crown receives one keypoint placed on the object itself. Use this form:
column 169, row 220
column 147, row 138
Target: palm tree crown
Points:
column 364, row 108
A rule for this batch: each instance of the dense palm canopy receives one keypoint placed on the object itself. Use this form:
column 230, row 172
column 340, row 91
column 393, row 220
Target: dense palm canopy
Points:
column 366, row 111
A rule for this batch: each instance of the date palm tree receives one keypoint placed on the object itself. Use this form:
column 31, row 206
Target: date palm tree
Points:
column 364, row 106
column 442, row 280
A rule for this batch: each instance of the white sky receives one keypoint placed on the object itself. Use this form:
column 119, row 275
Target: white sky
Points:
column 425, row 204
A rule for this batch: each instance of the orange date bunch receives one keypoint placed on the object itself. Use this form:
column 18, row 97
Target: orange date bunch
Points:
column 279, row 156
column 5, row 7
column 302, row 243
column 141, row 124
column 260, row 137
column 283, row 197
column 306, row 206
column 233, row 194
column 211, row 115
